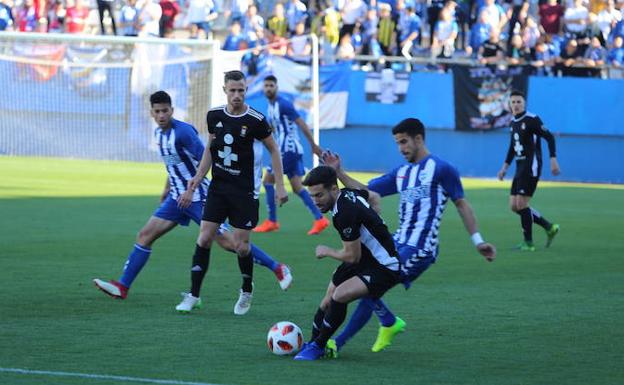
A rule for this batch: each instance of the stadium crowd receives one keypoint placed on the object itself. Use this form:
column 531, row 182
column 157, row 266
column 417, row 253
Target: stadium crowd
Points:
column 574, row 37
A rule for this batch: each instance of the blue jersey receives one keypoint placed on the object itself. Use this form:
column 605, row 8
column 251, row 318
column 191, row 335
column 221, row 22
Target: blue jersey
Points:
column 425, row 187
column 181, row 151
column 282, row 116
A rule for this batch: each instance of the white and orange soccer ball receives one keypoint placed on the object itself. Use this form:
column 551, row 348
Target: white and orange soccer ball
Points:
column 284, row 338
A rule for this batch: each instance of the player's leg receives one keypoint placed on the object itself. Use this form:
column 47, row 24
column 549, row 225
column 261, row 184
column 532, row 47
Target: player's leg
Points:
column 245, row 265
column 270, row 224
column 320, row 222
column 519, row 203
column 552, row 229
column 320, row 312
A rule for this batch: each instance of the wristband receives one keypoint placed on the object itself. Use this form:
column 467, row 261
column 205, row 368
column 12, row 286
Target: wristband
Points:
column 477, row 239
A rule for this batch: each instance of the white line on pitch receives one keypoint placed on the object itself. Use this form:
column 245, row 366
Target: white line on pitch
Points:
column 99, row 377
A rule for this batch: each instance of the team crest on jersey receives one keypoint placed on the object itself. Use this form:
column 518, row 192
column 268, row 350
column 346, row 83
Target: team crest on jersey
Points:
column 422, row 176
column 243, row 132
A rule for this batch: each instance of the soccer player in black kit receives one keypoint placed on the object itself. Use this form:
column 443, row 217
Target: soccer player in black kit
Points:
column 527, row 130
column 237, row 134
column 370, row 263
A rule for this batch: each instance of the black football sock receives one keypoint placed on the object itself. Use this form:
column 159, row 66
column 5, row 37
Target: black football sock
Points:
column 540, row 220
column 201, row 259
column 316, row 325
column 245, row 264
column 526, row 219
column 334, row 317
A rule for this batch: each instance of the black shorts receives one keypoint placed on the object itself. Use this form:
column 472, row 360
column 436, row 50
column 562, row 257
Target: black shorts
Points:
column 524, row 185
column 377, row 278
column 240, row 211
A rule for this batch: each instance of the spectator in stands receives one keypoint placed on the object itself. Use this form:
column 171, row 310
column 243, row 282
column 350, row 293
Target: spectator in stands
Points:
column 345, row 51
column 495, row 15
column 149, row 19
column 199, row 16
column 106, row 6
column 129, row 18
column 56, row 16
column 296, row 12
column 237, row 10
column 595, row 56
column 518, row 53
column 76, row 16
column 369, row 30
column 551, row 14
column 531, row 33
column 26, row 17
column 543, row 58
column 299, row 47
column 278, row 45
column 278, row 25
column 6, row 16
column 409, row 31
column 252, row 22
column 616, row 54
column 170, row 10
column 517, row 16
column 444, row 35
column 433, row 13
column 386, row 30
column 234, row 39
column 479, row 34
column 353, row 11
column 492, row 51
column 570, row 59
column 331, row 23
column 575, row 19
column 608, row 18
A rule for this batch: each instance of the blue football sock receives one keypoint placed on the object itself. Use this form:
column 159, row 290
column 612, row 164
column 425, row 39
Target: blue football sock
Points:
column 386, row 317
column 262, row 258
column 270, row 197
column 305, row 197
column 136, row 260
column 359, row 318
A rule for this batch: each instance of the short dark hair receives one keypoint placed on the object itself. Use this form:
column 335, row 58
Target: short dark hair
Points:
column 324, row 175
column 409, row 126
column 517, row 93
column 159, row 97
column 271, row 78
column 233, row 75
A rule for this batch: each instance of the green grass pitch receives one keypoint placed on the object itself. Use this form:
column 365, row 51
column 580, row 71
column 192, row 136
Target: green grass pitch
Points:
column 555, row 316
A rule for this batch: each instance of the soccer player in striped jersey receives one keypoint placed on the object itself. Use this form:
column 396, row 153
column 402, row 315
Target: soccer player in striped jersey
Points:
column 425, row 184
column 527, row 130
column 284, row 120
column 181, row 150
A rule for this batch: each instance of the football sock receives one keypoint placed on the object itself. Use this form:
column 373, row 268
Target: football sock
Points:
column 334, row 317
column 307, row 200
column 136, row 260
column 539, row 219
column 262, row 258
column 386, row 317
column 526, row 219
column 316, row 325
column 245, row 264
column 360, row 316
column 270, row 198
column 201, row 259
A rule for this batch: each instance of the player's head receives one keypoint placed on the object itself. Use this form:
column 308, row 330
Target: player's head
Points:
column 322, row 184
column 517, row 102
column 161, row 110
column 270, row 87
column 409, row 136
column 235, row 88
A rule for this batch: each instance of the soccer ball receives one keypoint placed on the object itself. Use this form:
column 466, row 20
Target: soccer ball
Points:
column 284, row 338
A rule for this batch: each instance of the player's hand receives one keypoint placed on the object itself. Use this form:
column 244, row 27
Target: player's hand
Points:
column 322, row 251
column 331, row 159
column 554, row 166
column 281, row 196
column 487, row 250
column 501, row 174
column 193, row 183
column 185, row 199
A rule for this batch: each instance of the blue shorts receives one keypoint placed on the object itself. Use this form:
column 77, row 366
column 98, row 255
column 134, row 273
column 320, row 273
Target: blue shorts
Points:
column 170, row 211
column 292, row 164
column 414, row 262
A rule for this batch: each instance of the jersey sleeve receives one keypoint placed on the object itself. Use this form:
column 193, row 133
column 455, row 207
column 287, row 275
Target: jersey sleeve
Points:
column 510, row 150
column 346, row 222
column 289, row 111
column 211, row 122
column 193, row 143
column 543, row 132
column 263, row 129
column 450, row 181
column 384, row 185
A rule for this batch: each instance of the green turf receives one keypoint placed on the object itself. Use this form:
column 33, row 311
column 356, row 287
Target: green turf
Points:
column 554, row 316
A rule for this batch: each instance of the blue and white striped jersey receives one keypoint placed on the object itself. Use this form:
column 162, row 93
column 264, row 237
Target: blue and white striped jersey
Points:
column 425, row 188
column 181, row 150
column 282, row 116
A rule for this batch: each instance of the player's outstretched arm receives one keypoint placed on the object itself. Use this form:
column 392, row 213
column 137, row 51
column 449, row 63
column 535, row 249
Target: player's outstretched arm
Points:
column 276, row 162
column 350, row 252
column 308, row 134
column 204, row 166
column 470, row 223
column 332, row 160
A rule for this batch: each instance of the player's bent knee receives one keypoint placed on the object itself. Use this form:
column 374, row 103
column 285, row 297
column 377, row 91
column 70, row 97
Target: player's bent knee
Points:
column 225, row 242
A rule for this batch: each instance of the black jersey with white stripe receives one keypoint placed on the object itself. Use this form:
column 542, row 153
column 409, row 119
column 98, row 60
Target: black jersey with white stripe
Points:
column 525, row 145
column 355, row 219
column 236, row 150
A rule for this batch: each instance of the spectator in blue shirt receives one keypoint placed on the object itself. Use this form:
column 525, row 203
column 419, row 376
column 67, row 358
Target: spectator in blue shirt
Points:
column 6, row 17
column 479, row 34
column 235, row 39
column 410, row 31
column 616, row 54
